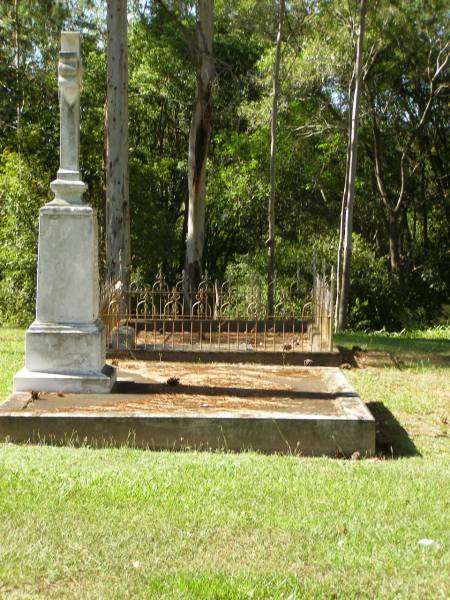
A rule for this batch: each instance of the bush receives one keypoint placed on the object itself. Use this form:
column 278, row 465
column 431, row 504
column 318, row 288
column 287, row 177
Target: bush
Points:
column 23, row 189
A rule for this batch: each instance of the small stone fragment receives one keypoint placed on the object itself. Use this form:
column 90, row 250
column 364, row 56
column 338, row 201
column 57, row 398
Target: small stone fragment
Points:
column 346, row 366
column 308, row 362
column 429, row 543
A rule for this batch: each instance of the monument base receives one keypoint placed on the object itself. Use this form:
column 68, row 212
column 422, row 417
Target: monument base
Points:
column 65, row 347
column 90, row 382
column 66, row 357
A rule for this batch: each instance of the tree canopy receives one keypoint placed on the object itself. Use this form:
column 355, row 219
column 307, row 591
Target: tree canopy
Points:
column 400, row 274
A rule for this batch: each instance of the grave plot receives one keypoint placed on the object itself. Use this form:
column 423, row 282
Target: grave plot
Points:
column 309, row 411
column 67, row 393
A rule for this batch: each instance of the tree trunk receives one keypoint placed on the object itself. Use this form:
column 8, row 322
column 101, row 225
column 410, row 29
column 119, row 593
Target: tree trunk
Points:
column 340, row 250
column 17, row 60
column 273, row 152
column 117, row 243
column 348, row 225
column 394, row 243
column 199, row 137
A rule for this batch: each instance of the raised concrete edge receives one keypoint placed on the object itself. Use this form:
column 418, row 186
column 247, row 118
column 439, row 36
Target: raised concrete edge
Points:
column 308, row 437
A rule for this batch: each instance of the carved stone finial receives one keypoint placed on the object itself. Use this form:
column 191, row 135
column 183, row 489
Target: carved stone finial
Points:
column 68, row 187
column 69, row 76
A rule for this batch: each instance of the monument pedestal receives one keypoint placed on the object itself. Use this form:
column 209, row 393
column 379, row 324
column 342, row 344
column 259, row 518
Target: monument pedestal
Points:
column 65, row 346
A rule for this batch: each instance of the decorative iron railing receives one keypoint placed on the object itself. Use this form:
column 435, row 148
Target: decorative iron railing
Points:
column 218, row 317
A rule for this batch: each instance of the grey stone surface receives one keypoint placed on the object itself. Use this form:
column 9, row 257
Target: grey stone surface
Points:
column 68, row 187
column 67, row 281
column 65, row 348
column 100, row 382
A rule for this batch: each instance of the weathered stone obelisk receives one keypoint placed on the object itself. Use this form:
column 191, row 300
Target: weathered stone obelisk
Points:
column 65, row 345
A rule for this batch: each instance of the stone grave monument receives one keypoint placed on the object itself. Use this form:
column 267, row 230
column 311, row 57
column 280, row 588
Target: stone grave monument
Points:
column 65, row 345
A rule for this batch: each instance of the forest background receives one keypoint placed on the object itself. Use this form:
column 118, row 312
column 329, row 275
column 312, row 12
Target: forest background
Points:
column 400, row 273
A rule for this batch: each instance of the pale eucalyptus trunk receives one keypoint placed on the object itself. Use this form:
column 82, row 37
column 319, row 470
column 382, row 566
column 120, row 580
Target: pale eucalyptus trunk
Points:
column 340, row 250
column 273, row 152
column 20, row 96
column 117, row 222
column 199, row 136
column 353, row 158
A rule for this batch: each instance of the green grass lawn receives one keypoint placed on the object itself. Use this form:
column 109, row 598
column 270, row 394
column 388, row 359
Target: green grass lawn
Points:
column 124, row 523
column 425, row 344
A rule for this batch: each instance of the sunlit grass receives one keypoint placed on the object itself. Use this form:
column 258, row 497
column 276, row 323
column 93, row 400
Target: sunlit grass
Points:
column 125, row 523
column 11, row 357
column 431, row 341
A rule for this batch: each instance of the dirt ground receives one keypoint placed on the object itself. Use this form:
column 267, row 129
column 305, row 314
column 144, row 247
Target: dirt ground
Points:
column 249, row 340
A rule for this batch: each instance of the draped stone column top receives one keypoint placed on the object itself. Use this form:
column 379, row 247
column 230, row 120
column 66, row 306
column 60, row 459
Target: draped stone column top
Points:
column 68, row 186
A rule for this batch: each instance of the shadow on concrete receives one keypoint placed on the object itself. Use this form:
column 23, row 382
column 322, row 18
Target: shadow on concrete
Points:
column 392, row 440
column 141, row 388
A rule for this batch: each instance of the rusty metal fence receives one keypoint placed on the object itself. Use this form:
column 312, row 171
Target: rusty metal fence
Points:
column 219, row 317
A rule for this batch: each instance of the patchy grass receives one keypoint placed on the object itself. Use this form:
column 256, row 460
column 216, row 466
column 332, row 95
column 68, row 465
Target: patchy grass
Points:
column 11, row 357
column 422, row 345
column 124, row 523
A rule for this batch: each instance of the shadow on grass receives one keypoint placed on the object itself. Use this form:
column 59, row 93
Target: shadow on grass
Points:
column 423, row 347
column 392, row 440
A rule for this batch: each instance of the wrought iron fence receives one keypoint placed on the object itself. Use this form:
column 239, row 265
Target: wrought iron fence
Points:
column 218, row 317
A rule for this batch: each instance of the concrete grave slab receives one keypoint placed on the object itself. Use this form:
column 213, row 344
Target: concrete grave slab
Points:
column 310, row 411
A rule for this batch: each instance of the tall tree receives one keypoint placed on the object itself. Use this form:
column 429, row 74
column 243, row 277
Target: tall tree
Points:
column 347, row 222
column 117, row 220
column 417, row 108
column 18, row 78
column 273, row 152
column 199, row 136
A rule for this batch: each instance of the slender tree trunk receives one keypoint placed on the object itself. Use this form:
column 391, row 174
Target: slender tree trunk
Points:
column 348, row 228
column 18, row 77
column 199, row 137
column 273, row 152
column 394, row 242
column 340, row 250
column 117, row 193
column 184, row 229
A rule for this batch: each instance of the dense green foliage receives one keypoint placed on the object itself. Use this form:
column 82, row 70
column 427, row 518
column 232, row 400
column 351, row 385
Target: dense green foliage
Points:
column 400, row 272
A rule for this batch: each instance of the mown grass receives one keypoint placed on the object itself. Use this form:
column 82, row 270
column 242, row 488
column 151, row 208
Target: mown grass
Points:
column 419, row 343
column 11, row 357
column 124, row 523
